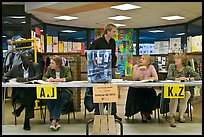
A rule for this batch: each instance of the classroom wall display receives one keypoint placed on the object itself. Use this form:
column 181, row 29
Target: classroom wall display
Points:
column 161, row 47
column 189, row 44
column 124, row 44
column 49, row 44
column 124, row 49
column 175, row 45
column 147, row 48
column 196, row 44
column 134, row 49
column 55, row 45
column 39, row 39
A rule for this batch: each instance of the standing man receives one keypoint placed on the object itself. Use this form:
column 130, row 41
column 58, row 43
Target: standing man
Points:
column 107, row 42
column 26, row 71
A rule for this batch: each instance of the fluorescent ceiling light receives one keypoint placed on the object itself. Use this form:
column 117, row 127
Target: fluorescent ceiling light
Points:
column 68, row 31
column 119, row 25
column 156, row 31
column 4, row 36
column 173, row 18
column 180, row 34
column 119, row 18
column 126, row 7
column 7, row 22
column 66, row 17
column 16, row 17
column 23, row 22
column 79, row 38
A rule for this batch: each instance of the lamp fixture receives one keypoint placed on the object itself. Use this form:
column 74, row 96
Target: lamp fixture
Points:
column 66, row 17
column 125, row 7
column 179, row 34
column 119, row 25
column 172, row 18
column 119, row 18
column 68, row 31
column 156, row 31
column 16, row 17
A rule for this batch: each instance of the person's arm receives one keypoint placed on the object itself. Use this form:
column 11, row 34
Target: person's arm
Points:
column 68, row 75
column 114, row 57
column 192, row 74
column 154, row 74
column 135, row 74
column 46, row 76
column 170, row 74
column 8, row 75
column 37, row 72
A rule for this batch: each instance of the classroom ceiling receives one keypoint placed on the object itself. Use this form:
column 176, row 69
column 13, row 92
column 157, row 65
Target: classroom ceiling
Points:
column 95, row 14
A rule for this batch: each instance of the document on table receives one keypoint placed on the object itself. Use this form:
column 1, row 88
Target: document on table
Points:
column 169, row 81
column 141, row 81
column 13, row 80
column 117, row 80
column 198, row 81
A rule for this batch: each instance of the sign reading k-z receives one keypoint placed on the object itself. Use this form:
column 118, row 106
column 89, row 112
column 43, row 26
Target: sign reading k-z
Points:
column 174, row 91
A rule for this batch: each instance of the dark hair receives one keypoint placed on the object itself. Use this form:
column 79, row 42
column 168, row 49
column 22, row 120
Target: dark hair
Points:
column 26, row 55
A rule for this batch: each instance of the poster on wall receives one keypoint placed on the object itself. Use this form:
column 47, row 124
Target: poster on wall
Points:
column 65, row 43
column 69, row 46
column 55, row 45
column 42, row 44
column 196, row 44
column 175, row 45
column 98, row 33
column 147, row 48
column 61, row 46
column 189, row 44
column 125, row 51
column 49, row 44
column 161, row 47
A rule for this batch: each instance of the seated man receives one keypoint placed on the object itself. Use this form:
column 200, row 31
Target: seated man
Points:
column 26, row 71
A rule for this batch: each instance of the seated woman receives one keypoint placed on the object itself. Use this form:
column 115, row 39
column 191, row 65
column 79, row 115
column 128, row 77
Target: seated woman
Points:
column 139, row 98
column 180, row 71
column 57, row 73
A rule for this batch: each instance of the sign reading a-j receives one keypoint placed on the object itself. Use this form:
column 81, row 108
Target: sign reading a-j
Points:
column 174, row 91
column 46, row 91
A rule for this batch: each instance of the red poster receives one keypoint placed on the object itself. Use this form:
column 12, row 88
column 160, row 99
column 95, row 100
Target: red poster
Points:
column 37, row 31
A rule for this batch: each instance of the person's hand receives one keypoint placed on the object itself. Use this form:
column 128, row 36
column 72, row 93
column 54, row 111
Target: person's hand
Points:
column 182, row 79
column 21, row 79
column 51, row 79
column 142, row 67
column 5, row 80
column 59, row 80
